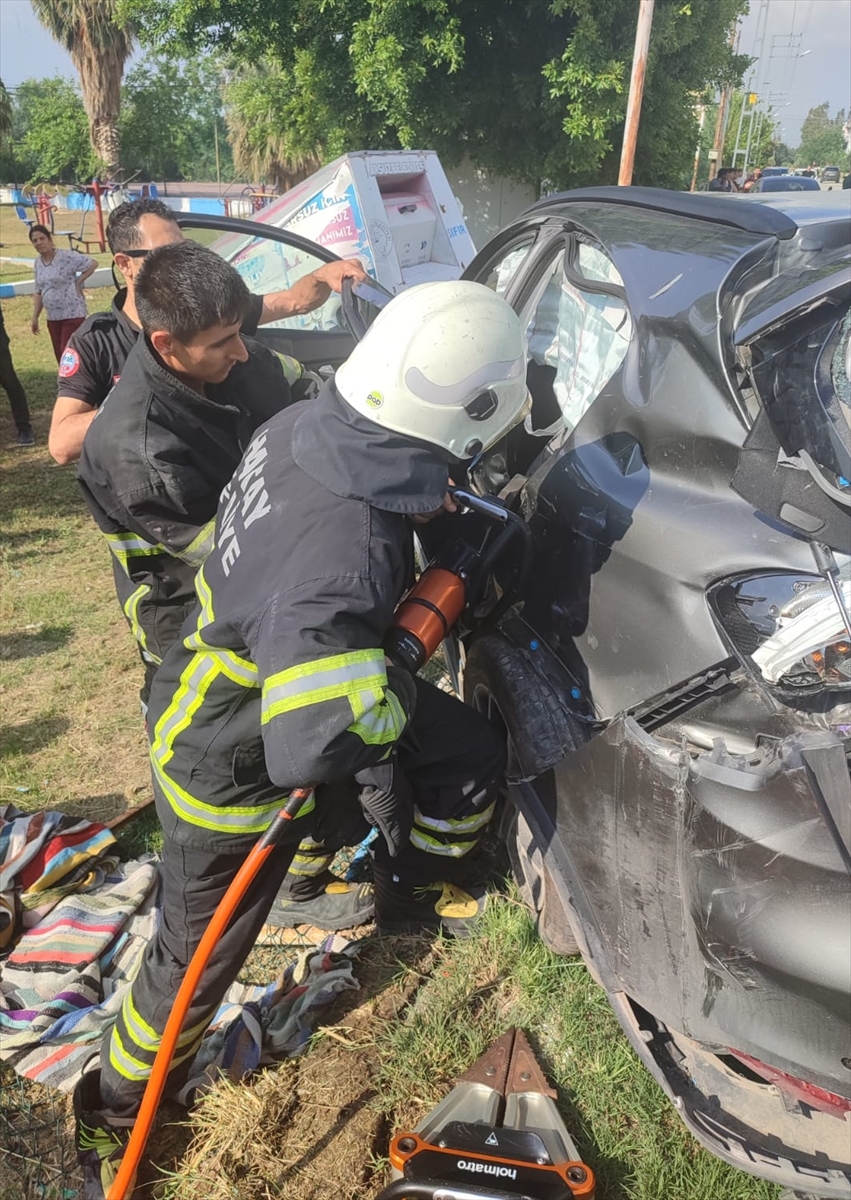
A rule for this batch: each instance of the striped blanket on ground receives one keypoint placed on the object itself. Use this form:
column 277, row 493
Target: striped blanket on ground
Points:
column 62, row 984
column 44, row 856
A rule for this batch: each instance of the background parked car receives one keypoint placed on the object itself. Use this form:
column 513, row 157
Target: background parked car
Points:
column 774, row 171
column 785, row 183
column 830, row 175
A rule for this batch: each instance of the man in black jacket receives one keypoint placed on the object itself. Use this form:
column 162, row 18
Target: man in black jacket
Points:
column 154, row 462
column 14, row 389
column 96, row 352
column 172, row 432
column 280, row 680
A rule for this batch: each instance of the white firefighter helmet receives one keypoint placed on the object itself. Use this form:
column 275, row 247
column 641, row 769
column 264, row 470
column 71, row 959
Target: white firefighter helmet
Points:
column 443, row 363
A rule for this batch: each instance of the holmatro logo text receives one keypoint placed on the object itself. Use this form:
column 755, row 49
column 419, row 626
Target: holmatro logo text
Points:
column 481, row 1168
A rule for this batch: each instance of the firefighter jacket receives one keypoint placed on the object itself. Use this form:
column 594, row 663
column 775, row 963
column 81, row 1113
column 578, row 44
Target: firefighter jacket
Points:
column 279, row 678
column 154, row 462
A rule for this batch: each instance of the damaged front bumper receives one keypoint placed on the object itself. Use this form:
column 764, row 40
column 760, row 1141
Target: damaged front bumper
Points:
column 713, row 896
column 748, row 1124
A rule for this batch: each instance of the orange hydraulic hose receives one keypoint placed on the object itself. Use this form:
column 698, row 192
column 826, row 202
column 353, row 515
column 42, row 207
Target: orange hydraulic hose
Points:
column 123, row 1182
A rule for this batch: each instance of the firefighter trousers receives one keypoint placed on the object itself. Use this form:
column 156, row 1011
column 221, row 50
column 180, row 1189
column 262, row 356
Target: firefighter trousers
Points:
column 453, row 759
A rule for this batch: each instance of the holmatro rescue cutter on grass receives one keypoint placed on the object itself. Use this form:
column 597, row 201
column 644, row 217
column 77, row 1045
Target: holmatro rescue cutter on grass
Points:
column 497, row 1134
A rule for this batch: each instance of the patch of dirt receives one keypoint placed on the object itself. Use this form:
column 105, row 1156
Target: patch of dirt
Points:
column 38, row 1161
column 307, row 1128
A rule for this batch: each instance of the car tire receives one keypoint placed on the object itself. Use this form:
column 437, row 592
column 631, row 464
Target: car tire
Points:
column 499, row 681
column 541, row 729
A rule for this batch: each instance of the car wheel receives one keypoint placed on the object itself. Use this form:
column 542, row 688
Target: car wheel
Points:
column 539, row 731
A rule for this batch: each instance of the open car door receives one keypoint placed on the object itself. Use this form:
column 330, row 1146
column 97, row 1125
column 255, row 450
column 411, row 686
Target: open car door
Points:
column 272, row 260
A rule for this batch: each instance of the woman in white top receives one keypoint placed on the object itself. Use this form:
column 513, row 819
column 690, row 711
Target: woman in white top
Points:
column 59, row 279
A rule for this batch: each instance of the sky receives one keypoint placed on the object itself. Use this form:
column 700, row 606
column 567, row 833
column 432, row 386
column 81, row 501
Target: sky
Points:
column 27, row 51
column 820, row 31
column 805, row 59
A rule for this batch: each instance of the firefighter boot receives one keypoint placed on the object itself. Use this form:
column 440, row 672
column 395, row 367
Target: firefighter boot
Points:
column 403, row 908
column 100, row 1139
column 323, row 901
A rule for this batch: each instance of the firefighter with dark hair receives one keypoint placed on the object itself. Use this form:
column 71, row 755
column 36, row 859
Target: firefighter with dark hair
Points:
column 95, row 355
column 280, row 679
column 192, row 394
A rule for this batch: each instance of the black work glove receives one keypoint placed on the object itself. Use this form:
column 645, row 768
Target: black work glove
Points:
column 388, row 803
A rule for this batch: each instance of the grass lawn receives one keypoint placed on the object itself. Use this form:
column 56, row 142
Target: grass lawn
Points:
column 73, row 736
column 319, row 1125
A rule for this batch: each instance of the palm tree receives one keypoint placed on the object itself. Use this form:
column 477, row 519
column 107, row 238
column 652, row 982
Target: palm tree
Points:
column 5, row 111
column 254, row 99
column 99, row 48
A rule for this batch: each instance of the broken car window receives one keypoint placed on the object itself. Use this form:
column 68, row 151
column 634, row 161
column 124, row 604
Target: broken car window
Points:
column 579, row 326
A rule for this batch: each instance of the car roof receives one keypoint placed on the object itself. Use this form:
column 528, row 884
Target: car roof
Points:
column 717, row 209
column 789, row 183
column 823, row 218
column 804, row 208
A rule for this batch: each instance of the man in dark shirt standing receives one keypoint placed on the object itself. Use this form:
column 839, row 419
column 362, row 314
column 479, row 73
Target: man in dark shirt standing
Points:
column 95, row 355
column 724, row 181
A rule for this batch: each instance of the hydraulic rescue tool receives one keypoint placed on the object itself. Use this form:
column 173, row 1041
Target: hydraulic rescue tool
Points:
column 497, row 1134
column 454, row 580
column 452, row 585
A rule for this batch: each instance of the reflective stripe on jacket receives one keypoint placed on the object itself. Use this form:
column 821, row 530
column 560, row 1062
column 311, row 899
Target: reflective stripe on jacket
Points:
column 279, row 678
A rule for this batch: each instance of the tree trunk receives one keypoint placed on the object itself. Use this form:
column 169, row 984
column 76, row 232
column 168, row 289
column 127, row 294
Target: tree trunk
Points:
column 100, row 80
column 285, row 177
column 106, row 143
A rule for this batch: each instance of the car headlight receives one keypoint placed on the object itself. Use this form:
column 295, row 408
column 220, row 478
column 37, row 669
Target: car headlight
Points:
column 788, row 628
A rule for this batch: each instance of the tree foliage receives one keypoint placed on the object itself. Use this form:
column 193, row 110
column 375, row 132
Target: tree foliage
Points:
column 50, row 134
column 171, row 120
column 99, row 44
column 168, row 127
column 5, row 112
column 535, row 89
column 784, row 155
column 822, row 142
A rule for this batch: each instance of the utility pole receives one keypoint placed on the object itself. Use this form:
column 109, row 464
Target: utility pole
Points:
column 721, row 124
column 770, row 114
column 761, row 26
column 746, row 163
column 718, row 140
column 763, row 93
column 745, row 101
column 636, row 91
column 702, row 109
column 218, row 162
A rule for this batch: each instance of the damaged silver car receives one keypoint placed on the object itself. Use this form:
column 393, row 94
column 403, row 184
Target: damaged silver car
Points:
column 675, row 677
